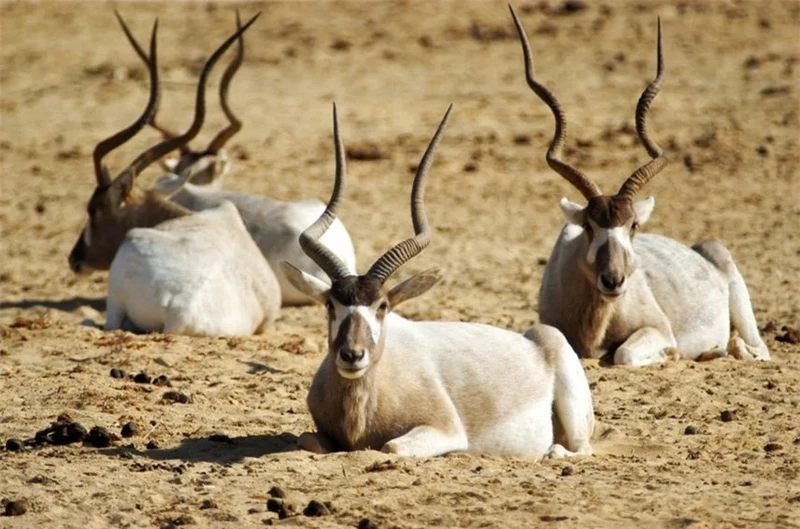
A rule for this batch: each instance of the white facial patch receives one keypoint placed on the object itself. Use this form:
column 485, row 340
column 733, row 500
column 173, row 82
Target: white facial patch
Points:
column 366, row 313
column 603, row 236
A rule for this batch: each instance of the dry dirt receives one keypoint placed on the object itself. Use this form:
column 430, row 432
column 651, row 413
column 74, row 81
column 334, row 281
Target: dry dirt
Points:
column 728, row 115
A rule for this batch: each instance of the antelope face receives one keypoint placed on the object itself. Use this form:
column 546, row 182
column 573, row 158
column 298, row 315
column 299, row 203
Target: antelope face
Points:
column 101, row 237
column 357, row 309
column 609, row 225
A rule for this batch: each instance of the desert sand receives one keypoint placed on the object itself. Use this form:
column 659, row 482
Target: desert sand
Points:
column 727, row 115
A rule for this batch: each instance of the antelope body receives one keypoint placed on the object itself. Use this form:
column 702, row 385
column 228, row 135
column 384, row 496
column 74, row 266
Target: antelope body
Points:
column 428, row 388
column 195, row 180
column 171, row 270
column 638, row 298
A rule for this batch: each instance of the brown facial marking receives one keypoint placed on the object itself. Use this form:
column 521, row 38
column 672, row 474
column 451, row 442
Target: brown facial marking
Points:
column 610, row 211
column 357, row 290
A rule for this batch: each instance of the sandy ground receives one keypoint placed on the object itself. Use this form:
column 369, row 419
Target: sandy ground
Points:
column 728, row 115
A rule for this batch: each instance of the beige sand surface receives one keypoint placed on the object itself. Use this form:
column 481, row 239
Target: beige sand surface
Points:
column 728, row 115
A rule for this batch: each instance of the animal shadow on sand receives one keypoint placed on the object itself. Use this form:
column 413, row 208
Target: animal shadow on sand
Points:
column 216, row 448
column 66, row 305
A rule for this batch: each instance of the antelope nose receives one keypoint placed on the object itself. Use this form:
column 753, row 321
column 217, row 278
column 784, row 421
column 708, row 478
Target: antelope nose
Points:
column 611, row 282
column 351, row 356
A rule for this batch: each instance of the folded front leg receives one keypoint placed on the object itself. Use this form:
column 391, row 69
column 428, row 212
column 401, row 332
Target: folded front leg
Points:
column 646, row 346
column 427, row 441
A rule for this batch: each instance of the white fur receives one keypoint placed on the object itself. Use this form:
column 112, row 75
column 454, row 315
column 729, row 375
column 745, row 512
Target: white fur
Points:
column 200, row 274
column 274, row 225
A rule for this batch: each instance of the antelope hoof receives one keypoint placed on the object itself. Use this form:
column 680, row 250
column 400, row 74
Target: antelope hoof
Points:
column 737, row 348
column 311, row 443
column 557, row 452
column 671, row 354
column 714, row 354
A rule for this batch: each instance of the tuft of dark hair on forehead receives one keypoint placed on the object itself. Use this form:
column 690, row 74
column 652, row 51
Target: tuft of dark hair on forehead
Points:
column 357, row 290
column 610, row 211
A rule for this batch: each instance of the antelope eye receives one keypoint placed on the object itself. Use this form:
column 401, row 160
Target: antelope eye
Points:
column 634, row 226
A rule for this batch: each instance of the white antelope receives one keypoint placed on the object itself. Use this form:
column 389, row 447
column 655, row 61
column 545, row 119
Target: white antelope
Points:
column 428, row 388
column 195, row 181
column 171, row 270
column 637, row 298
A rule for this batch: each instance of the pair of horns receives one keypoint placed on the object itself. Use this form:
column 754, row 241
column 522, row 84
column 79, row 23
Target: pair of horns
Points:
column 580, row 181
column 399, row 254
column 125, row 178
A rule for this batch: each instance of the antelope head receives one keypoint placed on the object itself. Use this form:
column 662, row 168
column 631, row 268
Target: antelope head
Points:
column 115, row 207
column 208, row 166
column 357, row 305
column 609, row 222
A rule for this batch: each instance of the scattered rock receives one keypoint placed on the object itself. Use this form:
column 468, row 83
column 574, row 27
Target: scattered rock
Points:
column 365, row 152
column 550, row 518
column 129, row 429
column 152, row 445
column 142, row 378
column 176, row 396
column 772, row 447
column 99, row 437
column 790, row 335
column 61, row 432
column 316, row 508
column 366, row 523
column 283, row 508
column 218, row 437
column 274, row 504
column 567, row 471
column 13, row 445
column 341, row 45
column 17, row 507
column 572, row 6
column 381, row 466
column 470, row 167
column 162, row 381
column 277, row 492
column 208, row 504
column 727, row 416
column 690, row 430
column 118, row 373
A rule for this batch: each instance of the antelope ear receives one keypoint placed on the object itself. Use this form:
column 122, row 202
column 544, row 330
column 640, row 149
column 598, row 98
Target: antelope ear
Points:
column 572, row 212
column 309, row 285
column 643, row 209
column 414, row 286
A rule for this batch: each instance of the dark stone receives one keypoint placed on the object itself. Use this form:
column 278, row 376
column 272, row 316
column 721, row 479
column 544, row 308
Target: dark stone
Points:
column 118, row 373
column 142, row 378
column 129, row 429
column 277, row 492
column 567, row 471
column 152, row 445
column 17, row 507
column 366, row 523
column 162, row 381
column 690, row 430
column 13, row 445
column 316, row 508
column 176, row 396
column 99, row 437
column 274, row 504
column 727, row 416
column 208, row 504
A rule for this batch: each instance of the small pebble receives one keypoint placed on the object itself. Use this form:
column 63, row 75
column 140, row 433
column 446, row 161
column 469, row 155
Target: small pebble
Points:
column 274, row 504
column 727, row 416
column 142, row 378
column 118, row 373
column 772, row 447
column 129, row 429
column 316, row 508
column 99, row 437
column 16, row 507
column 176, row 396
column 208, row 504
column 567, row 471
column 366, row 523
column 162, row 381
column 12, row 445
column 690, row 430
column 152, row 445
column 277, row 492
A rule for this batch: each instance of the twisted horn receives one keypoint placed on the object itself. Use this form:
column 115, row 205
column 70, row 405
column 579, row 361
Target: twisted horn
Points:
column 154, row 153
column 401, row 253
column 579, row 180
column 309, row 239
column 643, row 174
column 166, row 132
column 114, row 141
column 235, row 125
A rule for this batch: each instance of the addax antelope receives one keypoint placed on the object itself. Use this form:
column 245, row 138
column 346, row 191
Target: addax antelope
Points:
column 195, row 182
column 171, row 270
column 428, row 388
column 639, row 298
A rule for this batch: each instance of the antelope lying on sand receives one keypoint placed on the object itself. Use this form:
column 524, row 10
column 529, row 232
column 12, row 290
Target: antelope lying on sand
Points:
column 171, row 270
column 638, row 297
column 428, row 388
column 195, row 182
